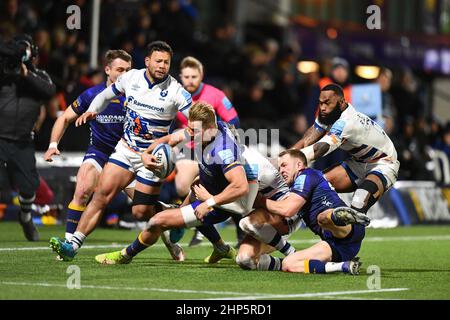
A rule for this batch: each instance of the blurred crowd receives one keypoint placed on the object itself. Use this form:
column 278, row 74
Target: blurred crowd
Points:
column 260, row 75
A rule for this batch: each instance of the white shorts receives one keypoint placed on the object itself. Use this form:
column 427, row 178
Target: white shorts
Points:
column 385, row 169
column 131, row 160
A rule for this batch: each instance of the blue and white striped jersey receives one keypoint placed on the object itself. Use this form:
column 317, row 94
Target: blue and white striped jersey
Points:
column 257, row 167
column 362, row 137
column 150, row 107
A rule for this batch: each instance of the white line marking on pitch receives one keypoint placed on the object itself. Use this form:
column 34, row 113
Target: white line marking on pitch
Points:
column 241, row 295
column 368, row 239
column 309, row 295
column 44, row 284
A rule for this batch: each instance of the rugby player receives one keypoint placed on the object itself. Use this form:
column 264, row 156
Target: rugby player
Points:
column 312, row 197
column 106, row 131
column 153, row 98
column 373, row 166
column 221, row 172
column 191, row 76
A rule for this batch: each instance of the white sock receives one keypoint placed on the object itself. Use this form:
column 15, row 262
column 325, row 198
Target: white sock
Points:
column 68, row 236
column 77, row 240
column 333, row 266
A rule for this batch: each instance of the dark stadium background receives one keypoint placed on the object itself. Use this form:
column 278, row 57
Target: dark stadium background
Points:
column 251, row 50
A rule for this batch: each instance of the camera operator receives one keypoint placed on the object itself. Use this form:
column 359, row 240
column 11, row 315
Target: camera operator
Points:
column 23, row 89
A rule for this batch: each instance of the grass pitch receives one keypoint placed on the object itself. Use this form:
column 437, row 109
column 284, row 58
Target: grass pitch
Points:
column 414, row 264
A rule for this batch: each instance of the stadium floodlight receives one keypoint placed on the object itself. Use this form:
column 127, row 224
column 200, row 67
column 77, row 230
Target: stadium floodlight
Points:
column 307, row 66
column 367, row 72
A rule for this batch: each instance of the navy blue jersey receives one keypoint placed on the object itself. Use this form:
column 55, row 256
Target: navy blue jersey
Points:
column 319, row 195
column 107, row 129
column 218, row 157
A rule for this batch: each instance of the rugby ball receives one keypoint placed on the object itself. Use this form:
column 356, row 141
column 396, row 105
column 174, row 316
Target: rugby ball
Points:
column 165, row 156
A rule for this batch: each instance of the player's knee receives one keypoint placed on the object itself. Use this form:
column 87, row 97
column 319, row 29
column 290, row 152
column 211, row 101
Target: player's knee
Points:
column 142, row 213
column 245, row 261
column 182, row 188
column 244, row 224
column 158, row 221
column 248, row 225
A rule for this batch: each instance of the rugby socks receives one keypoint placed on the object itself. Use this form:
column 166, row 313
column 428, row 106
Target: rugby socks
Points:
column 77, row 240
column 137, row 246
column 210, row 232
column 267, row 234
column 334, row 267
column 268, row 263
column 270, row 235
column 25, row 207
column 74, row 213
column 282, row 245
column 316, row 266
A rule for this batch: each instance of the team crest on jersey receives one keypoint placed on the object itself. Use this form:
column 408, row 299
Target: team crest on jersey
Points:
column 164, row 93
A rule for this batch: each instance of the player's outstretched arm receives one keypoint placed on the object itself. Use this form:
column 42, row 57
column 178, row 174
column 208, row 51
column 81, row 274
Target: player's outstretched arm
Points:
column 312, row 135
column 58, row 130
column 99, row 104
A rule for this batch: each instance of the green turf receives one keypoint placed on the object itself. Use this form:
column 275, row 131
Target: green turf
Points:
column 406, row 257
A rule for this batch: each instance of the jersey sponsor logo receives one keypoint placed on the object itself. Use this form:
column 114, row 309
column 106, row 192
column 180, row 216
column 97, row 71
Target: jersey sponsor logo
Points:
column 164, row 93
column 337, row 128
column 109, row 118
column 90, row 155
column 186, row 96
column 227, row 103
column 226, row 156
column 299, row 183
column 251, row 171
column 76, row 104
column 132, row 101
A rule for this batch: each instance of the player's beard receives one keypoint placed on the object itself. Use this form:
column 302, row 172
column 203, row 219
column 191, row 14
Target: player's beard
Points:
column 332, row 117
column 157, row 76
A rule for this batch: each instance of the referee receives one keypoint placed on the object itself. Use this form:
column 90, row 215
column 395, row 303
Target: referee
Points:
column 22, row 92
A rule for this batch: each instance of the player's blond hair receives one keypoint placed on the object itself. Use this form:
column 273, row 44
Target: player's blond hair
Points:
column 191, row 62
column 204, row 112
